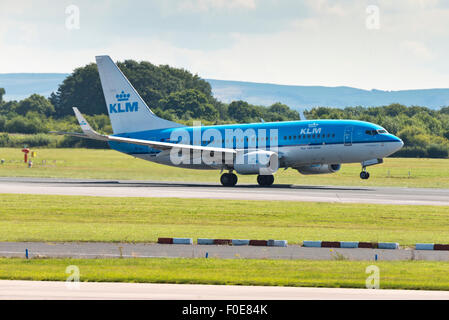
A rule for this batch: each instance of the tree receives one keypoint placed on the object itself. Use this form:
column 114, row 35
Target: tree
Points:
column 437, row 151
column 81, row 89
column 9, row 108
column 2, row 93
column 280, row 112
column 189, row 103
column 279, row 108
column 446, row 134
column 242, row 111
column 395, row 109
column 35, row 103
column 21, row 124
column 2, row 123
column 154, row 83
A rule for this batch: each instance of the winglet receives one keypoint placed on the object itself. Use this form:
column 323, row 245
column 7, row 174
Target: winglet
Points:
column 87, row 129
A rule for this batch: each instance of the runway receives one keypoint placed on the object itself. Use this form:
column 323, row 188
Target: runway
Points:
column 91, row 250
column 41, row 290
column 122, row 188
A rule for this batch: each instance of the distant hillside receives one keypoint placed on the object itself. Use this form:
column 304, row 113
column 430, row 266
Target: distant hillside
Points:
column 21, row 85
column 299, row 97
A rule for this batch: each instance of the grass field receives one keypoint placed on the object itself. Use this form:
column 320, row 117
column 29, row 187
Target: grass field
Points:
column 78, row 218
column 344, row 274
column 109, row 164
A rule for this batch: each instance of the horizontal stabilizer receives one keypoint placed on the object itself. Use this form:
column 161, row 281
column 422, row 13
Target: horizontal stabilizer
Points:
column 90, row 133
column 73, row 134
column 87, row 129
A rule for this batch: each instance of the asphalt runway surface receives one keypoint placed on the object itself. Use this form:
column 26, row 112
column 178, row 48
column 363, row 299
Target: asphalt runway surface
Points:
column 92, row 250
column 40, row 290
column 334, row 194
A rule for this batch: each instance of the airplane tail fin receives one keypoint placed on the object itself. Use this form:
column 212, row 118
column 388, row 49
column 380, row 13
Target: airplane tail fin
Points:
column 127, row 110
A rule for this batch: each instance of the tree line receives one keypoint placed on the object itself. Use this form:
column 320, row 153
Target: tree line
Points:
column 178, row 95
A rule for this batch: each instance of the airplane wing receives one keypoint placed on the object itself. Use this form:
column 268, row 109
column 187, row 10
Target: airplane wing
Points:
column 90, row 133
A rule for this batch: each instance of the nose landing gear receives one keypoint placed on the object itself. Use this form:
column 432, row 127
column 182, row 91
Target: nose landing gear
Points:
column 364, row 174
column 228, row 179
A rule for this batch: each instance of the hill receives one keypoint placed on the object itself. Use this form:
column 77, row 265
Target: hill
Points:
column 299, row 97
column 21, row 85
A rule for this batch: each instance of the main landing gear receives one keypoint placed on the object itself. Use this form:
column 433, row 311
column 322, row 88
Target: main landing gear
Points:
column 265, row 180
column 228, row 179
column 364, row 174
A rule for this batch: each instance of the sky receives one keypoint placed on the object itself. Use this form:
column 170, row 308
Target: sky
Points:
column 368, row 44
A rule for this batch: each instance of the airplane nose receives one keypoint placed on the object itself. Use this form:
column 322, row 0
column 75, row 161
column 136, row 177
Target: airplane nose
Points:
column 398, row 143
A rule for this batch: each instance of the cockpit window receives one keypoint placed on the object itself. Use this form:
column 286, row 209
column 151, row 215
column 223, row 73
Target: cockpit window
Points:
column 374, row 132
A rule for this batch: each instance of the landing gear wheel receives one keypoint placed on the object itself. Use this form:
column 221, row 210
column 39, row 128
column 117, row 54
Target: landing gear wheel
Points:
column 265, row 180
column 364, row 175
column 228, row 179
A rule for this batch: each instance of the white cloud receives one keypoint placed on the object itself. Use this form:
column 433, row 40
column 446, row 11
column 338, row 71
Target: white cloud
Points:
column 419, row 49
column 206, row 5
column 326, row 43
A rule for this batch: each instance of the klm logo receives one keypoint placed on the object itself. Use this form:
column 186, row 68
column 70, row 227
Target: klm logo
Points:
column 311, row 131
column 122, row 104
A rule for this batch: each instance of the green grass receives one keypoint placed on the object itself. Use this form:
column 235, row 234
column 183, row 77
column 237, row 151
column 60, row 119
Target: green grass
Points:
column 109, row 164
column 344, row 274
column 84, row 218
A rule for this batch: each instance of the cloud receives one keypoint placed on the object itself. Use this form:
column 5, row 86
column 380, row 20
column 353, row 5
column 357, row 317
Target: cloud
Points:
column 418, row 49
column 310, row 42
column 206, row 5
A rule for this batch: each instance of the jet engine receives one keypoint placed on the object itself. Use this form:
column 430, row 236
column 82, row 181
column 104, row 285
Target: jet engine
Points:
column 257, row 162
column 319, row 168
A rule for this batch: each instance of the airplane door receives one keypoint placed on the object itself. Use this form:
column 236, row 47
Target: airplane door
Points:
column 348, row 136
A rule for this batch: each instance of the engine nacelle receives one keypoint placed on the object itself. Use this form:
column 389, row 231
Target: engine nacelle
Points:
column 319, row 169
column 257, row 162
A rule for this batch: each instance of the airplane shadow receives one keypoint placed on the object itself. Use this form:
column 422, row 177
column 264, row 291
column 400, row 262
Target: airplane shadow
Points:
column 146, row 184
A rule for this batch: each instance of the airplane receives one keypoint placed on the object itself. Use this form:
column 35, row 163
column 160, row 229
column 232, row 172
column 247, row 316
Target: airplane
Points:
column 308, row 146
